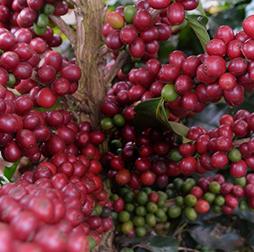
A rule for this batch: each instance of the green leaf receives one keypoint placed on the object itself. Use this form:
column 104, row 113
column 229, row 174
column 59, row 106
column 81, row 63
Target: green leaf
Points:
column 152, row 113
column 10, row 170
column 162, row 244
column 198, row 25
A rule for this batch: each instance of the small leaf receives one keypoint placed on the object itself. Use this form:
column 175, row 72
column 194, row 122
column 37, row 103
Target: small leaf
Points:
column 10, row 170
column 162, row 244
column 198, row 25
column 152, row 113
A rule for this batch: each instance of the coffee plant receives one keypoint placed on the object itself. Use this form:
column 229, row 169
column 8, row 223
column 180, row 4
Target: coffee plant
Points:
column 108, row 137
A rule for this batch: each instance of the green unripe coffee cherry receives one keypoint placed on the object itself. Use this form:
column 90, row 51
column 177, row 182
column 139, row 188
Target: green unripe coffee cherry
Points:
column 219, row 200
column 190, row 200
column 214, row 187
column 190, row 214
column 48, row 9
column 150, row 220
column 174, row 212
column 11, row 81
column 186, row 187
column 175, row 155
column 140, row 211
column 97, row 210
column 147, row 190
column 119, row 120
column 129, row 207
column 43, row 20
column 243, row 205
column 240, row 181
column 216, row 209
column 210, row 197
column 39, row 30
column 129, row 13
column 106, row 124
column 179, row 201
column 161, row 215
column 178, row 182
column 128, row 197
column 170, row 193
column 169, row 93
column 151, row 207
column 127, row 227
column 124, row 216
column 142, row 198
column 139, row 221
column 234, row 155
column 140, row 232
column 163, row 195
column 124, row 190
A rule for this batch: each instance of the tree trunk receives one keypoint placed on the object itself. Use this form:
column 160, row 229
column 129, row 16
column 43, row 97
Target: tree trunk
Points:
column 92, row 86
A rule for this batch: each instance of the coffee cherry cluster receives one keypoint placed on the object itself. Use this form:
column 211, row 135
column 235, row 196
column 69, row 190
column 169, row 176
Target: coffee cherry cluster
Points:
column 32, row 14
column 227, row 147
column 54, row 208
column 34, row 134
column 28, row 64
column 140, row 160
column 140, row 28
column 140, row 212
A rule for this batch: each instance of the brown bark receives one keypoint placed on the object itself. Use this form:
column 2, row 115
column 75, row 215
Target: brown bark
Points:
column 91, row 89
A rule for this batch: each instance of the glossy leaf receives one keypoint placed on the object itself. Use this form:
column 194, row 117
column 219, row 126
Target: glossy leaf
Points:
column 152, row 113
column 10, row 170
column 198, row 25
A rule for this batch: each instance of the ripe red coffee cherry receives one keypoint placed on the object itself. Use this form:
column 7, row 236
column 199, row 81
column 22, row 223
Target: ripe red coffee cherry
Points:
column 216, row 47
column 225, row 33
column 214, row 66
column 227, row 81
column 202, row 206
column 175, row 13
column 176, row 58
column 38, row 45
column 71, row 72
column 128, row 34
column 142, row 20
column 35, row 4
column 26, row 17
column 248, row 24
column 248, row 49
column 219, row 160
column 46, row 74
column 238, row 169
column 235, row 97
column 188, row 165
column 148, row 178
column 9, row 60
column 45, row 98
column 150, row 35
column 113, row 40
column 164, row 30
column 237, row 66
column 159, row 4
column 54, row 59
column 137, row 48
column 234, row 49
column 23, row 71
column 123, row 177
column 11, row 152
column 23, row 35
